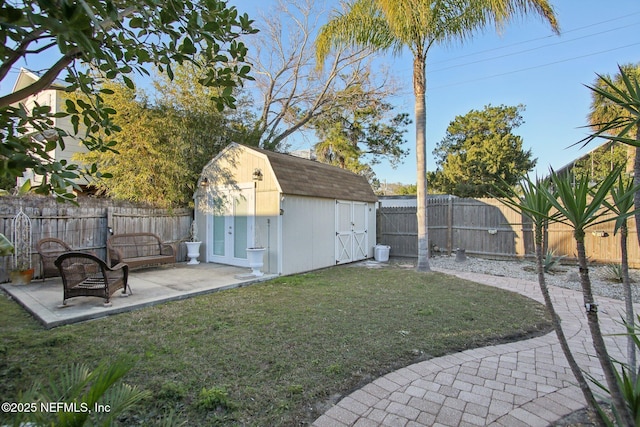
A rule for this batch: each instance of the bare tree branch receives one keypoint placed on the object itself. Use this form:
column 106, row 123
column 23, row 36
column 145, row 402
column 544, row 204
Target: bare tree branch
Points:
column 292, row 89
column 18, row 53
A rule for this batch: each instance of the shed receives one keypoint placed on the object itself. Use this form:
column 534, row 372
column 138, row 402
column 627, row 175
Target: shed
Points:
column 306, row 214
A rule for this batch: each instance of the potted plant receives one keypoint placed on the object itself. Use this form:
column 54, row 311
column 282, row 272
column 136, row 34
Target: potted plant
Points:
column 22, row 272
column 193, row 245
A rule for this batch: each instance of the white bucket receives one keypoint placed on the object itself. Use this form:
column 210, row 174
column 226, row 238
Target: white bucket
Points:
column 381, row 253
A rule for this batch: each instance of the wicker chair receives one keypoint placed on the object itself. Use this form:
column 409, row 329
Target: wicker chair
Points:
column 85, row 274
column 49, row 249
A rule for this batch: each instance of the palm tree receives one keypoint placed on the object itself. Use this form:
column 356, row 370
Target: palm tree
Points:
column 580, row 206
column 419, row 25
column 534, row 202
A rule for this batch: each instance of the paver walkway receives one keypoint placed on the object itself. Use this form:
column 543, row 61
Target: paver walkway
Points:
column 525, row 383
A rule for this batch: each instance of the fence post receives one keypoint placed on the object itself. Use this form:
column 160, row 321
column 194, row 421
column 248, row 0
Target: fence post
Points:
column 449, row 225
column 109, row 221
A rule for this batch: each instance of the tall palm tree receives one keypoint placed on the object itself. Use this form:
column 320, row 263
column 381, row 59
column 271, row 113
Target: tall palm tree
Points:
column 419, row 25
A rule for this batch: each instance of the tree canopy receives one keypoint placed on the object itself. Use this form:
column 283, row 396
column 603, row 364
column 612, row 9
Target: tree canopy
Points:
column 480, row 152
column 602, row 160
column 361, row 135
column 97, row 40
column 163, row 146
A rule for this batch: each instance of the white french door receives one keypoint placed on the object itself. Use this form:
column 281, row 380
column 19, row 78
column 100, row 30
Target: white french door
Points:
column 230, row 229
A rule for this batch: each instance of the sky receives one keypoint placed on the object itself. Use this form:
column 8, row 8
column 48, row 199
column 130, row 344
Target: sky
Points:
column 525, row 64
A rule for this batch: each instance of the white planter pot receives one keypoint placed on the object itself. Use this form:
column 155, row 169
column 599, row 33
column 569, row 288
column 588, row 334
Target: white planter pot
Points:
column 193, row 252
column 255, row 256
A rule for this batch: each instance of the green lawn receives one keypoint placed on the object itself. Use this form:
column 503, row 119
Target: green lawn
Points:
column 273, row 353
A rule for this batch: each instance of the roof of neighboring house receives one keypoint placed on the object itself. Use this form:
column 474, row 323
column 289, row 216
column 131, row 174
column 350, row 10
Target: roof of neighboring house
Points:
column 569, row 166
column 27, row 77
column 303, row 177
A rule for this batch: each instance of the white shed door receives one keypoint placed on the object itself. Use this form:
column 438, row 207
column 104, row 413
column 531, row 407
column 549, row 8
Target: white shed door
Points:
column 351, row 231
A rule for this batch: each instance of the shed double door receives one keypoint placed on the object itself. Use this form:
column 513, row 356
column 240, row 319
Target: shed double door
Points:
column 351, row 231
column 231, row 228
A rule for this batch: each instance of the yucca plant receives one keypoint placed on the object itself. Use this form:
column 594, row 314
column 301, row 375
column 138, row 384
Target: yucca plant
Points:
column 534, row 202
column 581, row 206
column 627, row 381
column 613, row 272
column 622, row 194
column 551, row 260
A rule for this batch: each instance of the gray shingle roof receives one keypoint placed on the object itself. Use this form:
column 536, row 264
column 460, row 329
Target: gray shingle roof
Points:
column 302, row 177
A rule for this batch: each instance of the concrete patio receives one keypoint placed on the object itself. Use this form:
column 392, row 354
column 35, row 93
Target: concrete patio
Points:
column 150, row 286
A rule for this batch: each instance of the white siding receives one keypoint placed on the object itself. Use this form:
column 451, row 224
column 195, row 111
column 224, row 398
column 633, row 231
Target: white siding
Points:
column 54, row 99
column 308, row 234
column 371, row 235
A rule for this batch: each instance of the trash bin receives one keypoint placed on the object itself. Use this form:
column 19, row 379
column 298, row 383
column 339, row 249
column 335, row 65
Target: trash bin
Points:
column 381, row 253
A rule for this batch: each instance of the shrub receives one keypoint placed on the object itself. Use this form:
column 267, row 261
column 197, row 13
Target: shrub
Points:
column 550, row 260
column 215, row 399
column 613, row 272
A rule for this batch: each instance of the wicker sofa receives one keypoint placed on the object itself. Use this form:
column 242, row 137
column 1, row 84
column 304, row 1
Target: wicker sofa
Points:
column 139, row 250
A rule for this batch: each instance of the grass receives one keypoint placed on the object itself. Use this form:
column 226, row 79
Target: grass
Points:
column 273, row 353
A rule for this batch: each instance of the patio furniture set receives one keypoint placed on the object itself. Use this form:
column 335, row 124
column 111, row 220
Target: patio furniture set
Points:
column 85, row 274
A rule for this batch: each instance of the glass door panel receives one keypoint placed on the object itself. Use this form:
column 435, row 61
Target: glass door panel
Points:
column 219, row 235
column 231, row 230
column 240, row 226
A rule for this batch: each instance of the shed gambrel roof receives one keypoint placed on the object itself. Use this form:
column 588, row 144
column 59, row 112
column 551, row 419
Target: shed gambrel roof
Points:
column 302, row 177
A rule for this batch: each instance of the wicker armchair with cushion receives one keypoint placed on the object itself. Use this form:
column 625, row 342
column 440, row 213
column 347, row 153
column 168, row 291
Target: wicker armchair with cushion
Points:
column 49, row 249
column 85, row 274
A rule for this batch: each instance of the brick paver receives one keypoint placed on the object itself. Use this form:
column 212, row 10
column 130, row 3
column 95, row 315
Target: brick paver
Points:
column 526, row 383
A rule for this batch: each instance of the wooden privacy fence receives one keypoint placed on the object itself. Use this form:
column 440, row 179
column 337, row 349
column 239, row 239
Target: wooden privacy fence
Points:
column 87, row 226
column 488, row 228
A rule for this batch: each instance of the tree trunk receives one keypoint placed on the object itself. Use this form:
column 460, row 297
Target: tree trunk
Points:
column 555, row 320
column 628, row 301
column 636, row 181
column 599, row 345
column 419, row 90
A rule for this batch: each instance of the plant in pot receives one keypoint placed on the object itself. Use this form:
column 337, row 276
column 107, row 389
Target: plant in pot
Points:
column 22, row 272
column 193, row 245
